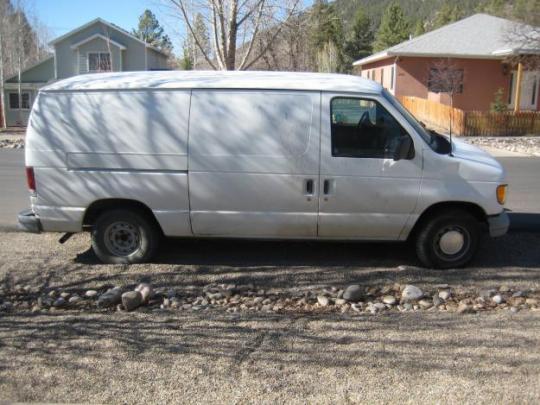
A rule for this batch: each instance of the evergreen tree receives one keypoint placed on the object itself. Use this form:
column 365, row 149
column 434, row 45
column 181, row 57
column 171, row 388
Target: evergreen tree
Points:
column 446, row 15
column 358, row 44
column 419, row 28
column 186, row 62
column 326, row 36
column 151, row 32
column 394, row 28
column 201, row 32
column 493, row 7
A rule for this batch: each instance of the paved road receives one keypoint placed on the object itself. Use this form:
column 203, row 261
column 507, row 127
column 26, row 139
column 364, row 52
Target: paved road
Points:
column 523, row 173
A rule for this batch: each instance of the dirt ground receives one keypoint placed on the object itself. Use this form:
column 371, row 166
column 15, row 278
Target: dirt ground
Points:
column 213, row 356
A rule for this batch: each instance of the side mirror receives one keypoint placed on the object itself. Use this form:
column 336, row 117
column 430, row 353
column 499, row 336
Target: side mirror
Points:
column 404, row 148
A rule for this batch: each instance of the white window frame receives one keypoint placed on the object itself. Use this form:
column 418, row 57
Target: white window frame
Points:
column 20, row 99
column 99, row 58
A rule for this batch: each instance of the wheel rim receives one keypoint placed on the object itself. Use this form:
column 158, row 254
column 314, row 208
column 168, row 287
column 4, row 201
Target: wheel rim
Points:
column 122, row 238
column 452, row 243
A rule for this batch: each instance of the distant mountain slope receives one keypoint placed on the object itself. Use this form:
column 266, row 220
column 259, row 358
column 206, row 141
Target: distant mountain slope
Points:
column 414, row 9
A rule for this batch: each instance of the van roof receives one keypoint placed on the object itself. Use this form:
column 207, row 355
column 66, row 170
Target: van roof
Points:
column 215, row 80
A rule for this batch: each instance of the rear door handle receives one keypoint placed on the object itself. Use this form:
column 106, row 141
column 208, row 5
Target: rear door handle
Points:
column 309, row 186
column 326, row 187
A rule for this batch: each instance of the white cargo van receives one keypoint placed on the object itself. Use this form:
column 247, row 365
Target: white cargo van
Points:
column 134, row 156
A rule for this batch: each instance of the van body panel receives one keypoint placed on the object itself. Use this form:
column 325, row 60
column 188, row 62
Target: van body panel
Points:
column 368, row 198
column 238, row 154
column 251, row 154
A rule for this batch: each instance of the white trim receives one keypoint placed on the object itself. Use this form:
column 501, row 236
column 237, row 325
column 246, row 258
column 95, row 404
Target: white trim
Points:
column 101, row 36
column 29, row 92
column 99, row 53
column 377, row 57
column 372, row 58
column 55, row 66
column 25, row 86
column 108, row 24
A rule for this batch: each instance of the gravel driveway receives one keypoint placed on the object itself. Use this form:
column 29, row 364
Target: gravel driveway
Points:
column 213, row 356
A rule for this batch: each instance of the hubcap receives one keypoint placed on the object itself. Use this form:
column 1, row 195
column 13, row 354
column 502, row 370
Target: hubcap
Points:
column 122, row 238
column 451, row 242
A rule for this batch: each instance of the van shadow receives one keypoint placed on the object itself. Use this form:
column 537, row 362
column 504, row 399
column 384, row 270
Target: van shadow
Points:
column 517, row 249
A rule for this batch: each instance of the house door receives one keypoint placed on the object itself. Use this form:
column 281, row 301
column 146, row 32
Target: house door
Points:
column 529, row 90
column 365, row 193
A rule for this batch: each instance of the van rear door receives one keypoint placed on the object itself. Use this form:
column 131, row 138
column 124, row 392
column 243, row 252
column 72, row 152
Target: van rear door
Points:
column 365, row 193
column 254, row 163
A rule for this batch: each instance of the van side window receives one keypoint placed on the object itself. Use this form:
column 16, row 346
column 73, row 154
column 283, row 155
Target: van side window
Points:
column 363, row 128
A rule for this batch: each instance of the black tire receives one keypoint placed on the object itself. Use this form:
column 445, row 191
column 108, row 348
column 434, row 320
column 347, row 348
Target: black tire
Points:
column 125, row 236
column 430, row 247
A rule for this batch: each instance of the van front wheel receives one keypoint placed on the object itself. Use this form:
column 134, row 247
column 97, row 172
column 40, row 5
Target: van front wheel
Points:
column 124, row 237
column 448, row 240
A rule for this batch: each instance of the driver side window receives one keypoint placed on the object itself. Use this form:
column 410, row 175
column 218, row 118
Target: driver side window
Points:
column 362, row 128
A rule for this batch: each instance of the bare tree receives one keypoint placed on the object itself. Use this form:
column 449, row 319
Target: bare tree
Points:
column 447, row 78
column 236, row 28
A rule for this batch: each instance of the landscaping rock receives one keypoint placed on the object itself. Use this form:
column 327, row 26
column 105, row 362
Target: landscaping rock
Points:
column 425, row 303
column 90, row 293
column 353, row 293
column 110, row 298
column 132, row 300
column 445, row 295
column 323, row 301
column 464, row 308
column 497, row 299
column 389, row 299
column 146, row 291
column 411, row 293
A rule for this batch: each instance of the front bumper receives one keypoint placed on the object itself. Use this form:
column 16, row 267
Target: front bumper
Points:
column 498, row 224
column 29, row 222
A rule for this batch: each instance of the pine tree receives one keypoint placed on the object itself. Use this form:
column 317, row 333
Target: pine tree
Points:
column 151, row 32
column 201, row 31
column 326, row 36
column 358, row 44
column 493, row 7
column 446, row 15
column 394, row 28
column 419, row 28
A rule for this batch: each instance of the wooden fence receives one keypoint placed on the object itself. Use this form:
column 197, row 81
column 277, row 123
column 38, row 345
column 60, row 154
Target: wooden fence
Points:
column 472, row 123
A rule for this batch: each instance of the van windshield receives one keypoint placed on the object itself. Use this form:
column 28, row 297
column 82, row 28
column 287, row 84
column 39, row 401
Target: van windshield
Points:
column 427, row 136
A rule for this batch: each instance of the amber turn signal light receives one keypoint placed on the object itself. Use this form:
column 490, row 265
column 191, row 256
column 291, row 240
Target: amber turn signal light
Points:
column 501, row 193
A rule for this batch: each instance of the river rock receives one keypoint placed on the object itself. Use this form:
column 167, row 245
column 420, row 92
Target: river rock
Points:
column 146, row 291
column 323, row 301
column 411, row 293
column 110, row 298
column 445, row 294
column 90, row 293
column 497, row 299
column 132, row 300
column 389, row 299
column 353, row 293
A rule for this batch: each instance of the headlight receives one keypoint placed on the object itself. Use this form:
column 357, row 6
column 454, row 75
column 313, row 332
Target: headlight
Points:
column 501, row 193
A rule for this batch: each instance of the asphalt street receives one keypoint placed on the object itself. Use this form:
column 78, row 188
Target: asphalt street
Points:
column 523, row 200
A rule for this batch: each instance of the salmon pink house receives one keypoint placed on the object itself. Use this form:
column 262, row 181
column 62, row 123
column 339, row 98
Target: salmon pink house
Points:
column 480, row 46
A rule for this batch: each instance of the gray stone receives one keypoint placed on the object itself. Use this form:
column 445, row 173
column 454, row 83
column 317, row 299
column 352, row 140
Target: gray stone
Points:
column 74, row 299
column 110, row 298
column 519, row 294
column 353, row 293
column 411, row 293
column 59, row 303
column 425, row 303
column 340, row 301
column 497, row 299
column 90, row 293
column 389, row 299
column 445, row 295
column 64, row 295
column 146, row 291
column 132, row 300
column 323, row 301
column 437, row 301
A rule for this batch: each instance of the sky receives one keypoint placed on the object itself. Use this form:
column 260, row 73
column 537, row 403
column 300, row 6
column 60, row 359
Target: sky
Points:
column 61, row 16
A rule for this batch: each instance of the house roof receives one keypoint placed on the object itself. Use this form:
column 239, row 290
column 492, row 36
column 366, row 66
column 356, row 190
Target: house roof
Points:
column 14, row 78
column 215, row 80
column 108, row 24
column 480, row 36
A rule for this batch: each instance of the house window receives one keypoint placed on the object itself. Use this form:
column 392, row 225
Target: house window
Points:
column 14, row 101
column 392, row 78
column 363, row 128
column 382, row 76
column 441, row 81
column 535, row 86
column 511, row 88
column 99, row 62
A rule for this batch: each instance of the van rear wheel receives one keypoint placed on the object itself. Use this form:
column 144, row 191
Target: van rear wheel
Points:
column 124, row 237
column 448, row 240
